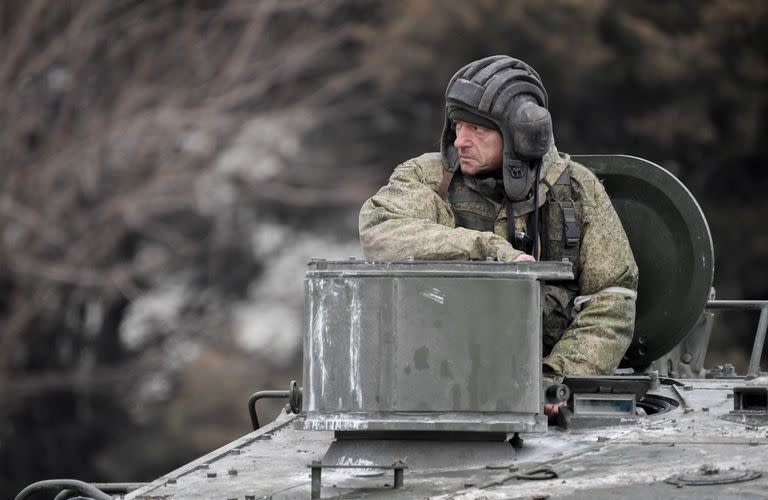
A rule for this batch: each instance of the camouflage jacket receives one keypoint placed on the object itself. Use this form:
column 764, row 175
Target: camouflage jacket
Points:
column 408, row 218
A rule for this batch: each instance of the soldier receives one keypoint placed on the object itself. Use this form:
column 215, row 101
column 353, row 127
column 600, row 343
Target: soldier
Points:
column 499, row 189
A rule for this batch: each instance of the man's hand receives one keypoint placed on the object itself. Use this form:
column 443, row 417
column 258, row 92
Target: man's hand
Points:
column 551, row 411
column 524, row 257
column 503, row 251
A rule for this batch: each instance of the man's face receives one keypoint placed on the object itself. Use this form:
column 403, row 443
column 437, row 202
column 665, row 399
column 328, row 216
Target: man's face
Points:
column 479, row 148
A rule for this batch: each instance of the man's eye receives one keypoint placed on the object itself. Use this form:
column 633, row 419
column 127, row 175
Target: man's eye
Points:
column 478, row 129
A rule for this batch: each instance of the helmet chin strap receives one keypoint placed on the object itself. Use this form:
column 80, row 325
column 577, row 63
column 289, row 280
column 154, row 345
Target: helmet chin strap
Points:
column 536, row 247
column 522, row 241
column 516, row 174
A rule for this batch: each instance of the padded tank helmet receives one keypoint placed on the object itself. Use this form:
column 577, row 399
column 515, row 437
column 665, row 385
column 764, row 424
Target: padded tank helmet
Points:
column 508, row 94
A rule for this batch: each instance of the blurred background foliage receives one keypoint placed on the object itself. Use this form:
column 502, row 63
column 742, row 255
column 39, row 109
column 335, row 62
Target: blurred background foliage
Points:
column 168, row 168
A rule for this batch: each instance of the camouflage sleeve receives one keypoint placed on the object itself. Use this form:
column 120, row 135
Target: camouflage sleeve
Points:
column 599, row 335
column 407, row 218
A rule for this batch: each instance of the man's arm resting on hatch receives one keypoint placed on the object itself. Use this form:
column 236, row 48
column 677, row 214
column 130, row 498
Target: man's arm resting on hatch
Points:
column 407, row 218
column 597, row 338
column 595, row 342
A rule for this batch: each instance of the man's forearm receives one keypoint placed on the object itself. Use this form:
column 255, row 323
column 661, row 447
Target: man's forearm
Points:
column 398, row 238
column 598, row 337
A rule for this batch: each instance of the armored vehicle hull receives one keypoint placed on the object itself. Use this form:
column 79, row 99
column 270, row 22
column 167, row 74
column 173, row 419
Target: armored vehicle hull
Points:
column 405, row 397
column 698, row 448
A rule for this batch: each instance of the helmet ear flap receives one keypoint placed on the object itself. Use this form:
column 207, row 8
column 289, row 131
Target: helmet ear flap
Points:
column 447, row 150
column 517, row 179
column 531, row 127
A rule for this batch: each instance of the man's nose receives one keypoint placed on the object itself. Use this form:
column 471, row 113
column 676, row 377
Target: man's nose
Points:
column 462, row 138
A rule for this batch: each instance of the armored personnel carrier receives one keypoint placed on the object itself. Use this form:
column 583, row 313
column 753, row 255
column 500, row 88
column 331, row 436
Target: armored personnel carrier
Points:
column 423, row 380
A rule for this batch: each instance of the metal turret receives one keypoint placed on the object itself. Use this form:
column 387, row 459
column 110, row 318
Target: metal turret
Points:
column 425, row 346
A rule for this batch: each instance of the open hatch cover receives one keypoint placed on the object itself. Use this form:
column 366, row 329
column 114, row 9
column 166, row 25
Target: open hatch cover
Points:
column 672, row 245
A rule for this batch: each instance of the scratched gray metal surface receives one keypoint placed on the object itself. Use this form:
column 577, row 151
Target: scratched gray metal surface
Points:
column 385, row 340
column 545, row 270
column 623, row 461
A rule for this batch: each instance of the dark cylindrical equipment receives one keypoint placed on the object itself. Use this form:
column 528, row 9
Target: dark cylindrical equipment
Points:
column 557, row 393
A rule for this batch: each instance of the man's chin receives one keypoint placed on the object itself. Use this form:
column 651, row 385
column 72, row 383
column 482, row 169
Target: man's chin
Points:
column 469, row 167
column 472, row 168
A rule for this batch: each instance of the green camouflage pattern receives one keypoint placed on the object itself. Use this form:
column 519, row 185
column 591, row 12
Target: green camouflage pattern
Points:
column 407, row 218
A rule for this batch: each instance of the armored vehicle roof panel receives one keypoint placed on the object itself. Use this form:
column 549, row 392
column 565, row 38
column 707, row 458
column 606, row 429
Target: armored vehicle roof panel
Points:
column 695, row 440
